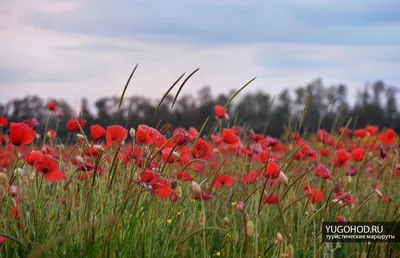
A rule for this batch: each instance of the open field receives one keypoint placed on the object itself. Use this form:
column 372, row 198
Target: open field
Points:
column 165, row 192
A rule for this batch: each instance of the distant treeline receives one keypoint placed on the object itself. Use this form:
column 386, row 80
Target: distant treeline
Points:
column 327, row 107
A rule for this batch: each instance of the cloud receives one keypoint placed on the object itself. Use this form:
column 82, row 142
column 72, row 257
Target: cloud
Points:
column 87, row 49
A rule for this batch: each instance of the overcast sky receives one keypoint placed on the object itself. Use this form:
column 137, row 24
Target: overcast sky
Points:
column 87, row 48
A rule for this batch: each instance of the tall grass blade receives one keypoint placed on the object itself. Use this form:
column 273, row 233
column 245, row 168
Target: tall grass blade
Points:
column 183, row 84
column 126, row 86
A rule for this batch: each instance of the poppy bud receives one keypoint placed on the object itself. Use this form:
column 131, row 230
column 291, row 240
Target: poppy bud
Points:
column 176, row 155
column 196, row 188
column 178, row 191
column 379, row 193
column 79, row 159
column 98, row 147
column 250, row 228
column 80, row 136
column 225, row 221
column 240, row 206
column 339, row 202
column 132, row 132
column 19, row 172
column 279, row 237
column 283, row 178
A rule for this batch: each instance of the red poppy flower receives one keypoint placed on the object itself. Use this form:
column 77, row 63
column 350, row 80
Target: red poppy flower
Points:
column 360, row 133
column 21, row 133
column 341, row 158
column 325, row 152
column 271, row 199
column 184, row 176
column 272, row 170
column 349, row 199
column 203, row 196
column 181, row 136
column 229, row 136
column 341, row 219
column 33, row 156
column 52, row 106
column 2, row 240
column 257, row 137
column 315, row 195
column 49, row 168
column 74, row 124
column 193, row 132
column 51, row 134
column 322, row 172
column 168, row 155
column 97, row 132
column 220, row 112
column 3, row 122
column 347, row 132
column 250, row 178
column 202, row 150
column 372, row 130
column 357, row 154
column 388, row 137
column 147, row 135
column 115, row 133
column 164, row 192
column 223, row 180
column 147, row 176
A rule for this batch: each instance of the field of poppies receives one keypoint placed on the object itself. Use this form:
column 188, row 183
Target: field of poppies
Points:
column 174, row 192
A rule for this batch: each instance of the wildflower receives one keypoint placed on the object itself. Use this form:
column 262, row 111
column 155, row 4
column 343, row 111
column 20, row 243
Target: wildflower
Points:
column 220, row 111
column 32, row 123
column 218, row 254
column 21, row 133
column 75, row 125
column 322, row 172
column 52, row 106
column 357, row 154
column 271, row 199
column 97, row 132
column 341, row 158
column 3, row 122
column 371, row 130
column 388, row 137
column 49, row 168
column 169, row 221
column 240, row 206
column 202, row 150
column 147, row 135
column 272, row 170
column 349, row 199
column 51, row 134
column 115, row 133
column 223, row 180
column 315, row 195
